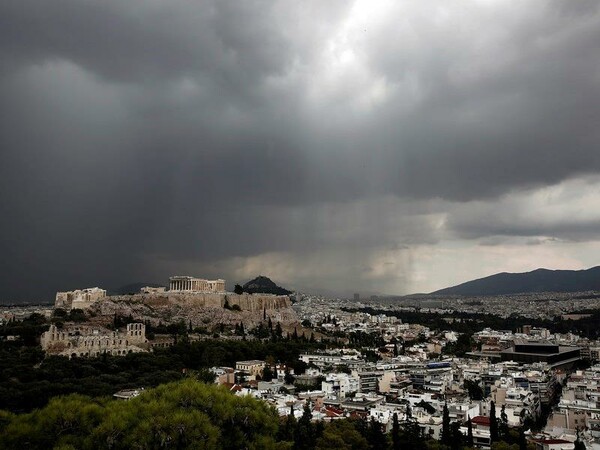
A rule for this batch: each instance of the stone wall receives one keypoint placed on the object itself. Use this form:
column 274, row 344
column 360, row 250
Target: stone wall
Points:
column 247, row 302
column 89, row 341
column 79, row 298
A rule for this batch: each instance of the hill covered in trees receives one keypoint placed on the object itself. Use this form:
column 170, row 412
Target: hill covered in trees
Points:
column 540, row 280
column 264, row 285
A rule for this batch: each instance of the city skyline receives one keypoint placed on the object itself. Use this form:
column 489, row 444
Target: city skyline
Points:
column 336, row 148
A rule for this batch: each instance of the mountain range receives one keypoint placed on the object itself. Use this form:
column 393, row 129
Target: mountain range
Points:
column 540, row 280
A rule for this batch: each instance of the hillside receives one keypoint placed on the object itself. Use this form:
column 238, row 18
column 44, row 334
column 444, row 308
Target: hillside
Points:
column 540, row 280
column 264, row 285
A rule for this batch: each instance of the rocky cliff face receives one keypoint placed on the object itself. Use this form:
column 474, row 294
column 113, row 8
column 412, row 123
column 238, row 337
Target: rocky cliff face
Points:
column 202, row 309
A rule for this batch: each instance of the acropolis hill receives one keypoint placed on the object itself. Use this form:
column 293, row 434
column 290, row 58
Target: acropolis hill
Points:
column 199, row 301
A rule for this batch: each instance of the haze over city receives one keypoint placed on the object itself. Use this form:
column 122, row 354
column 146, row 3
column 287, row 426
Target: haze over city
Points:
column 337, row 147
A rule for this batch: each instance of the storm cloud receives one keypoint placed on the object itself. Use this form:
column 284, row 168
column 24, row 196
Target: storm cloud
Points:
column 335, row 146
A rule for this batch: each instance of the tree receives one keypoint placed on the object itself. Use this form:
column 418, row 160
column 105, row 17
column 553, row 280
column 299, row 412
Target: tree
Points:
column 474, row 390
column 288, row 377
column 342, row 435
column 469, row 432
column 579, row 445
column 286, row 432
column 457, row 436
column 304, row 437
column 267, row 374
column 493, row 423
column 376, row 438
column 446, row 437
column 278, row 332
column 238, row 289
column 59, row 312
column 395, row 432
column 185, row 414
column 503, row 424
column 522, row 440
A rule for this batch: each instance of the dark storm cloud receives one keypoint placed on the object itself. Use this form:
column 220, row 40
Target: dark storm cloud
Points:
column 560, row 213
column 135, row 133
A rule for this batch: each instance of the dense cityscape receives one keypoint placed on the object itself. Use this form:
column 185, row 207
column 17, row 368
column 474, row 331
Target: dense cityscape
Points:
column 486, row 372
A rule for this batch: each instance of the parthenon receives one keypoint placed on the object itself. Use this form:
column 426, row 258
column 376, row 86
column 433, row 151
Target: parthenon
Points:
column 191, row 284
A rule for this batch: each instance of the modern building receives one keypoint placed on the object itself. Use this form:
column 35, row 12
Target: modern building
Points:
column 552, row 354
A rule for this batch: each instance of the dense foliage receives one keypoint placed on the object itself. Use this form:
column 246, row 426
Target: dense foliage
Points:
column 185, row 414
column 28, row 379
column 192, row 415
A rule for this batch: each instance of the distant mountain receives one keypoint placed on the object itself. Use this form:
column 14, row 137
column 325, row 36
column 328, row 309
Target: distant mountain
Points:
column 263, row 285
column 540, row 280
column 133, row 288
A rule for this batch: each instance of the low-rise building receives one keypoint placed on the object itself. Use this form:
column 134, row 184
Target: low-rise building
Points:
column 253, row 367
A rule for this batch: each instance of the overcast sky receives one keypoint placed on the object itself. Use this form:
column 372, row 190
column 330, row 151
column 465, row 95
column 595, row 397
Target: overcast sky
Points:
column 334, row 146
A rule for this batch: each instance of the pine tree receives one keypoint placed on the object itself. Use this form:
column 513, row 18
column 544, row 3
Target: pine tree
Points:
column 446, row 432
